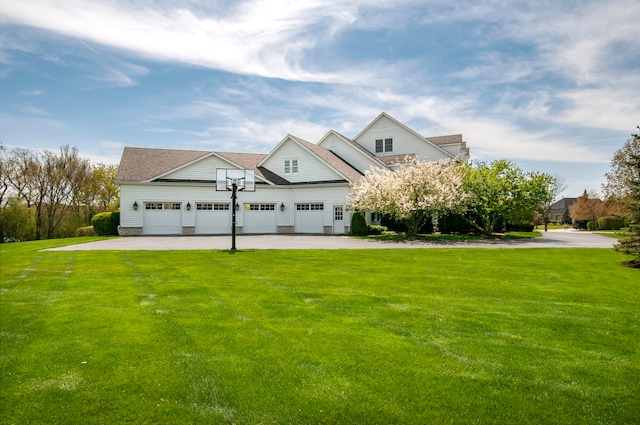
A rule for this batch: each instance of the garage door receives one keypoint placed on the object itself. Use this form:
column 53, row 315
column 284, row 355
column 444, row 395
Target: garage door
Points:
column 212, row 218
column 309, row 218
column 162, row 218
column 259, row 218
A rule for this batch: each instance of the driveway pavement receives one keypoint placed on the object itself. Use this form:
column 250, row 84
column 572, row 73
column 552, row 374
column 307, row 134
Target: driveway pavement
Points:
column 550, row 239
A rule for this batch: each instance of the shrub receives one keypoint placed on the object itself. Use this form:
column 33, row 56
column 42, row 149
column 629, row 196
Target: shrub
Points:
column 358, row 224
column 452, row 223
column 375, row 229
column 610, row 223
column 106, row 223
column 592, row 225
column 580, row 224
column 85, row 231
column 520, row 227
column 391, row 223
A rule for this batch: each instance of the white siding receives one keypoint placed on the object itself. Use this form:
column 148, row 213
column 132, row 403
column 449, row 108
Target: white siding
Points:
column 348, row 152
column 452, row 149
column 404, row 141
column 310, row 168
column 288, row 196
column 204, row 169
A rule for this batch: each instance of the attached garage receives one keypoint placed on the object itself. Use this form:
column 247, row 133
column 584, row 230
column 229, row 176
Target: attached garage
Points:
column 213, row 218
column 162, row 218
column 259, row 218
column 309, row 218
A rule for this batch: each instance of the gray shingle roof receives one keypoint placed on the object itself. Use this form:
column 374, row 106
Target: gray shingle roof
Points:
column 396, row 159
column 332, row 159
column 445, row 140
column 144, row 164
column 141, row 164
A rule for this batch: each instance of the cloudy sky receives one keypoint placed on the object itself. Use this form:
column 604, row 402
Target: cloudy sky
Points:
column 550, row 85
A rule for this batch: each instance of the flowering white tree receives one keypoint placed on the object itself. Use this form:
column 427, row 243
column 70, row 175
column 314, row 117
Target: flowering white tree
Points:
column 412, row 193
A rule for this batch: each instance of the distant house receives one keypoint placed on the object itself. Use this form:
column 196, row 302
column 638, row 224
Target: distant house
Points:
column 557, row 210
column 301, row 187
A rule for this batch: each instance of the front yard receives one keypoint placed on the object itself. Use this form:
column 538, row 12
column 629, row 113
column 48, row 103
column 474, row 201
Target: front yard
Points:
column 277, row 337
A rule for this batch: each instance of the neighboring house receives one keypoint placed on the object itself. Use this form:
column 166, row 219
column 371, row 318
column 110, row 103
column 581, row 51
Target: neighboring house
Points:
column 301, row 187
column 558, row 208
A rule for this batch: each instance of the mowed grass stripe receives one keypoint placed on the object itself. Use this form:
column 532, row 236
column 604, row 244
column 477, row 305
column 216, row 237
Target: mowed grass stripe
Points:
column 391, row 336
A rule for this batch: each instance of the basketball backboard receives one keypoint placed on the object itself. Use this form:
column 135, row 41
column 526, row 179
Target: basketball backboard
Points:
column 243, row 179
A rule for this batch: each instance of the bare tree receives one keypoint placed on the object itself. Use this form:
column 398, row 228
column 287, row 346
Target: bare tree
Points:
column 47, row 182
column 4, row 174
column 556, row 186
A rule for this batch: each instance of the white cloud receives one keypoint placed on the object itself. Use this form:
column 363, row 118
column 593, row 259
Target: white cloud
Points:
column 111, row 144
column 123, row 75
column 32, row 93
column 265, row 38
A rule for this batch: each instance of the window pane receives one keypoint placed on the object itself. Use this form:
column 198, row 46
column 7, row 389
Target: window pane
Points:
column 388, row 145
column 294, row 166
column 378, row 145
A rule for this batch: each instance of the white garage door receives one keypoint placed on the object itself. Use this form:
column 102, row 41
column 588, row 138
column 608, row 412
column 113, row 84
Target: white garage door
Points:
column 212, row 218
column 309, row 218
column 259, row 218
column 162, row 218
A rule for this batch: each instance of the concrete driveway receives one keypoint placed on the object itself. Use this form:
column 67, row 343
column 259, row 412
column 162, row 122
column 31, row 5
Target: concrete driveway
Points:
column 550, row 239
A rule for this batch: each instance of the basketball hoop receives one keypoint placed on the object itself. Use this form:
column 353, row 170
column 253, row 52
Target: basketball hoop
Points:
column 234, row 180
column 244, row 180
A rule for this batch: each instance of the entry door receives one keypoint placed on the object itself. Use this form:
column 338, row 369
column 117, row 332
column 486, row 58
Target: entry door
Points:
column 338, row 219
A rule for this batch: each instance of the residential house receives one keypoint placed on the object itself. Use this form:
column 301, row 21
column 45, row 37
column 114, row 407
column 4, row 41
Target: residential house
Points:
column 300, row 187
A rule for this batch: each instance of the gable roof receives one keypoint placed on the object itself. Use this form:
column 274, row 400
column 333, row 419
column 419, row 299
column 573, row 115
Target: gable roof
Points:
column 324, row 155
column 401, row 125
column 333, row 160
column 370, row 156
column 146, row 164
column 156, row 162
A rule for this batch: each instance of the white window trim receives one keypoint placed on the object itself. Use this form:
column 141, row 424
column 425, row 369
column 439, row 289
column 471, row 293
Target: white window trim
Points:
column 291, row 166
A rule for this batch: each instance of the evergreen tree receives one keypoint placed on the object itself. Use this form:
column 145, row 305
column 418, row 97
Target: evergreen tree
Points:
column 623, row 183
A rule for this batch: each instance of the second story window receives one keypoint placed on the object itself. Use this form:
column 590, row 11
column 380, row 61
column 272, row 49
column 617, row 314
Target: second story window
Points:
column 384, row 145
column 291, row 166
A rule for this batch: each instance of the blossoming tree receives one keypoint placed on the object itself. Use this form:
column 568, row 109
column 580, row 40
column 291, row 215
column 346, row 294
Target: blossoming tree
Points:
column 412, row 194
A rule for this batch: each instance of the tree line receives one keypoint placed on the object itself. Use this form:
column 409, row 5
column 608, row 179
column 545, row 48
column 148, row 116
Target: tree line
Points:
column 46, row 195
column 480, row 197
column 486, row 197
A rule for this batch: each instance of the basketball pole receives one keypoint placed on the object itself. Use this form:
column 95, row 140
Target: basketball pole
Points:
column 234, row 188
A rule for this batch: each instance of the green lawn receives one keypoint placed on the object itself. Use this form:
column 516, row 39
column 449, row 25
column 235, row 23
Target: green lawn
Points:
column 411, row 336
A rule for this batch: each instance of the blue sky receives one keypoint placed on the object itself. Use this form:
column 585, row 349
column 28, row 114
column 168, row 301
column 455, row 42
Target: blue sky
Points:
column 550, row 85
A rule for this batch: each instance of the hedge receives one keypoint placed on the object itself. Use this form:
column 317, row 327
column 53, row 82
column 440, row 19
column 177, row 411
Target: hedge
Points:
column 106, row 223
column 610, row 223
column 85, row 231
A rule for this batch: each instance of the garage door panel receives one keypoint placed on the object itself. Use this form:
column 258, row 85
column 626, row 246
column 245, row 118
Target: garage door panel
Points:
column 162, row 218
column 212, row 218
column 309, row 218
column 259, row 218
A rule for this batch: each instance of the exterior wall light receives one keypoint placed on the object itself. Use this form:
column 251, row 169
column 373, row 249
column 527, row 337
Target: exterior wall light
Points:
column 282, row 206
column 237, row 207
column 135, row 205
column 188, row 206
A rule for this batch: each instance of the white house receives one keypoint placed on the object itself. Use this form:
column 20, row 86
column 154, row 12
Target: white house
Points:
column 301, row 187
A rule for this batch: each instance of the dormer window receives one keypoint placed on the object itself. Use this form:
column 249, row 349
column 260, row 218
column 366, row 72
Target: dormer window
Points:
column 384, row 145
column 291, row 166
